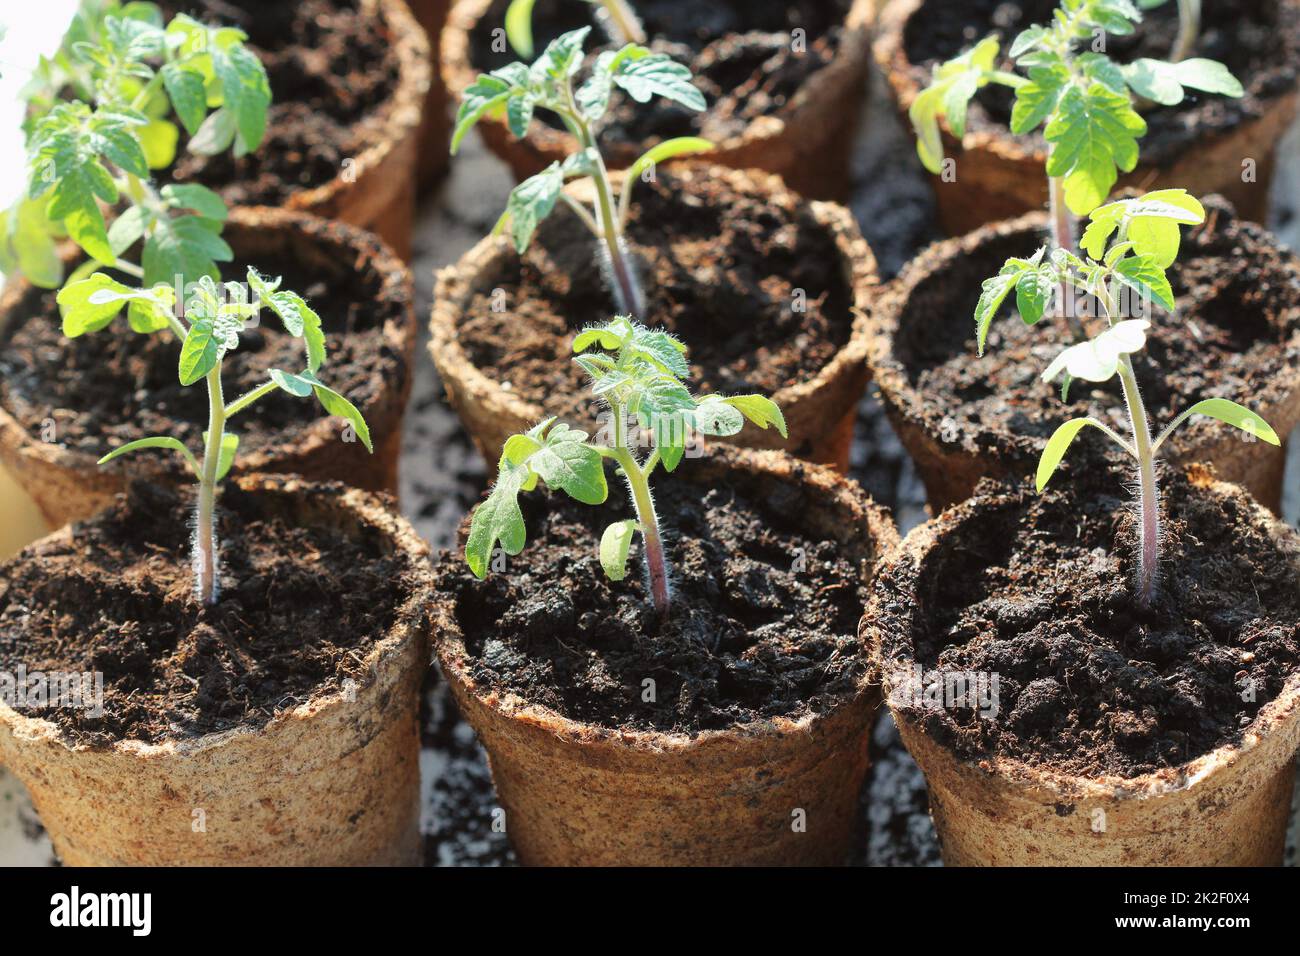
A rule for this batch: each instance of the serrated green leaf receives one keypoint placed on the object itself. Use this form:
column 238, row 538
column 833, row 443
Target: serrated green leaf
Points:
column 660, row 349
column 760, row 410
column 519, row 113
column 198, row 198
column 659, row 75
column 84, row 310
column 245, row 91
column 336, row 404
column 497, row 519
column 571, row 466
column 1094, row 136
column 200, row 353
column 185, row 89
column 614, row 546
column 185, row 246
column 1146, row 278
column 1034, row 291
column 1037, row 99
column 994, row 292
column 531, row 202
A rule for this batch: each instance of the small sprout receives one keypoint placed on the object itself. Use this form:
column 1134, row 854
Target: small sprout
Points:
column 517, row 91
column 1136, row 259
column 619, row 18
column 636, row 372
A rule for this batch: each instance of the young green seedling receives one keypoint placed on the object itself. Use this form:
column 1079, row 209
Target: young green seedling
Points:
column 619, row 18
column 517, row 91
column 1129, row 246
column 129, row 74
column 637, row 373
column 1083, row 100
column 83, row 153
column 213, row 318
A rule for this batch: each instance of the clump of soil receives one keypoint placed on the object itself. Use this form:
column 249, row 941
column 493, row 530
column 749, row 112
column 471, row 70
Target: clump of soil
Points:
column 333, row 71
column 111, row 387
column 1258, row 40
column 741, row 52
column 1236, row 335
column 764, row 622
column 722, row 267
column 1038, row 590
column 299, row 611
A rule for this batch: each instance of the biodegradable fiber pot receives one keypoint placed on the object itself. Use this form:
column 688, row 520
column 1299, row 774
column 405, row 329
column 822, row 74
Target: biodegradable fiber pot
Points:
column 98, row 392
column 723, row 256
column 794, row 113
column 289, row 749
column 612, row 792
column 1119, row 739
column 1236, row 335
column 344, row 129
column 1202, row 145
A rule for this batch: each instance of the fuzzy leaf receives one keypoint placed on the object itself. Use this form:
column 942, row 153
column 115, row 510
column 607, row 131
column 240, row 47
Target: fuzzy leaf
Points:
column 1147, row 279
column 659, row 75
column 186, row 246
column 185, row 88
column 531, row 202
column 487, row 94
column 85, row 308
column 497, row 519
column 1094, row 137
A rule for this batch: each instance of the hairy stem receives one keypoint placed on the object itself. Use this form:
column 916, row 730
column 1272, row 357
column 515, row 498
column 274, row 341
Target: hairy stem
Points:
column 626, row 290
column 1063, row 228
column 1148, row 575
column 205, row 535
column 638, row 485
column 1189, row 29
column 624, row 20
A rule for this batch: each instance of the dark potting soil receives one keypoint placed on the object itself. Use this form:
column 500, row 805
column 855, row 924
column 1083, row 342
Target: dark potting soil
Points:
column 740, row 51
column 114, row 386
column 1234, row 337
column 1039, row 591
column 299, row 611
column 331, row 67
column 753, row 633
column 720, row 267
column 1258, row 40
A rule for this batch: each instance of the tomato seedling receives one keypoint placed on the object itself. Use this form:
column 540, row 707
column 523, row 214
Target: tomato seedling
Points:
column 637, row 373
column 518, row 91
column 83, row 152
column 1128, row 246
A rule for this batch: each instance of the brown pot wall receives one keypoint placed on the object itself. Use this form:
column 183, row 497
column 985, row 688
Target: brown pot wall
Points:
column 819, row 413
column 1230, row 807
column 435, row 124
column 377, row 192
column 1000, row 176
column 950, row 470
column 332, row 782
column 69, row 486
column 810, row 144
column 580, row 794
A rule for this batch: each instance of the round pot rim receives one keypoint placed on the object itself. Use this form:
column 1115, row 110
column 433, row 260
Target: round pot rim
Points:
column 409, row 623
column 457, row 282
column 315, row 433
column 459, row 74
column 891, row 56
column 450, row 653
column 891, row 375
column 1190, row 775
column 405, row 108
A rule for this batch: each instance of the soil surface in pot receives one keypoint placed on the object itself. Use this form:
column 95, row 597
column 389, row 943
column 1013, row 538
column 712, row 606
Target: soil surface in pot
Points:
column 721, row 267
column 1234, row 337
column 741, row 53
column 1039, row 591
column 1258, row 40
column 330, row 67
column 300, row 609
column 764, row 622
column 114, row 386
